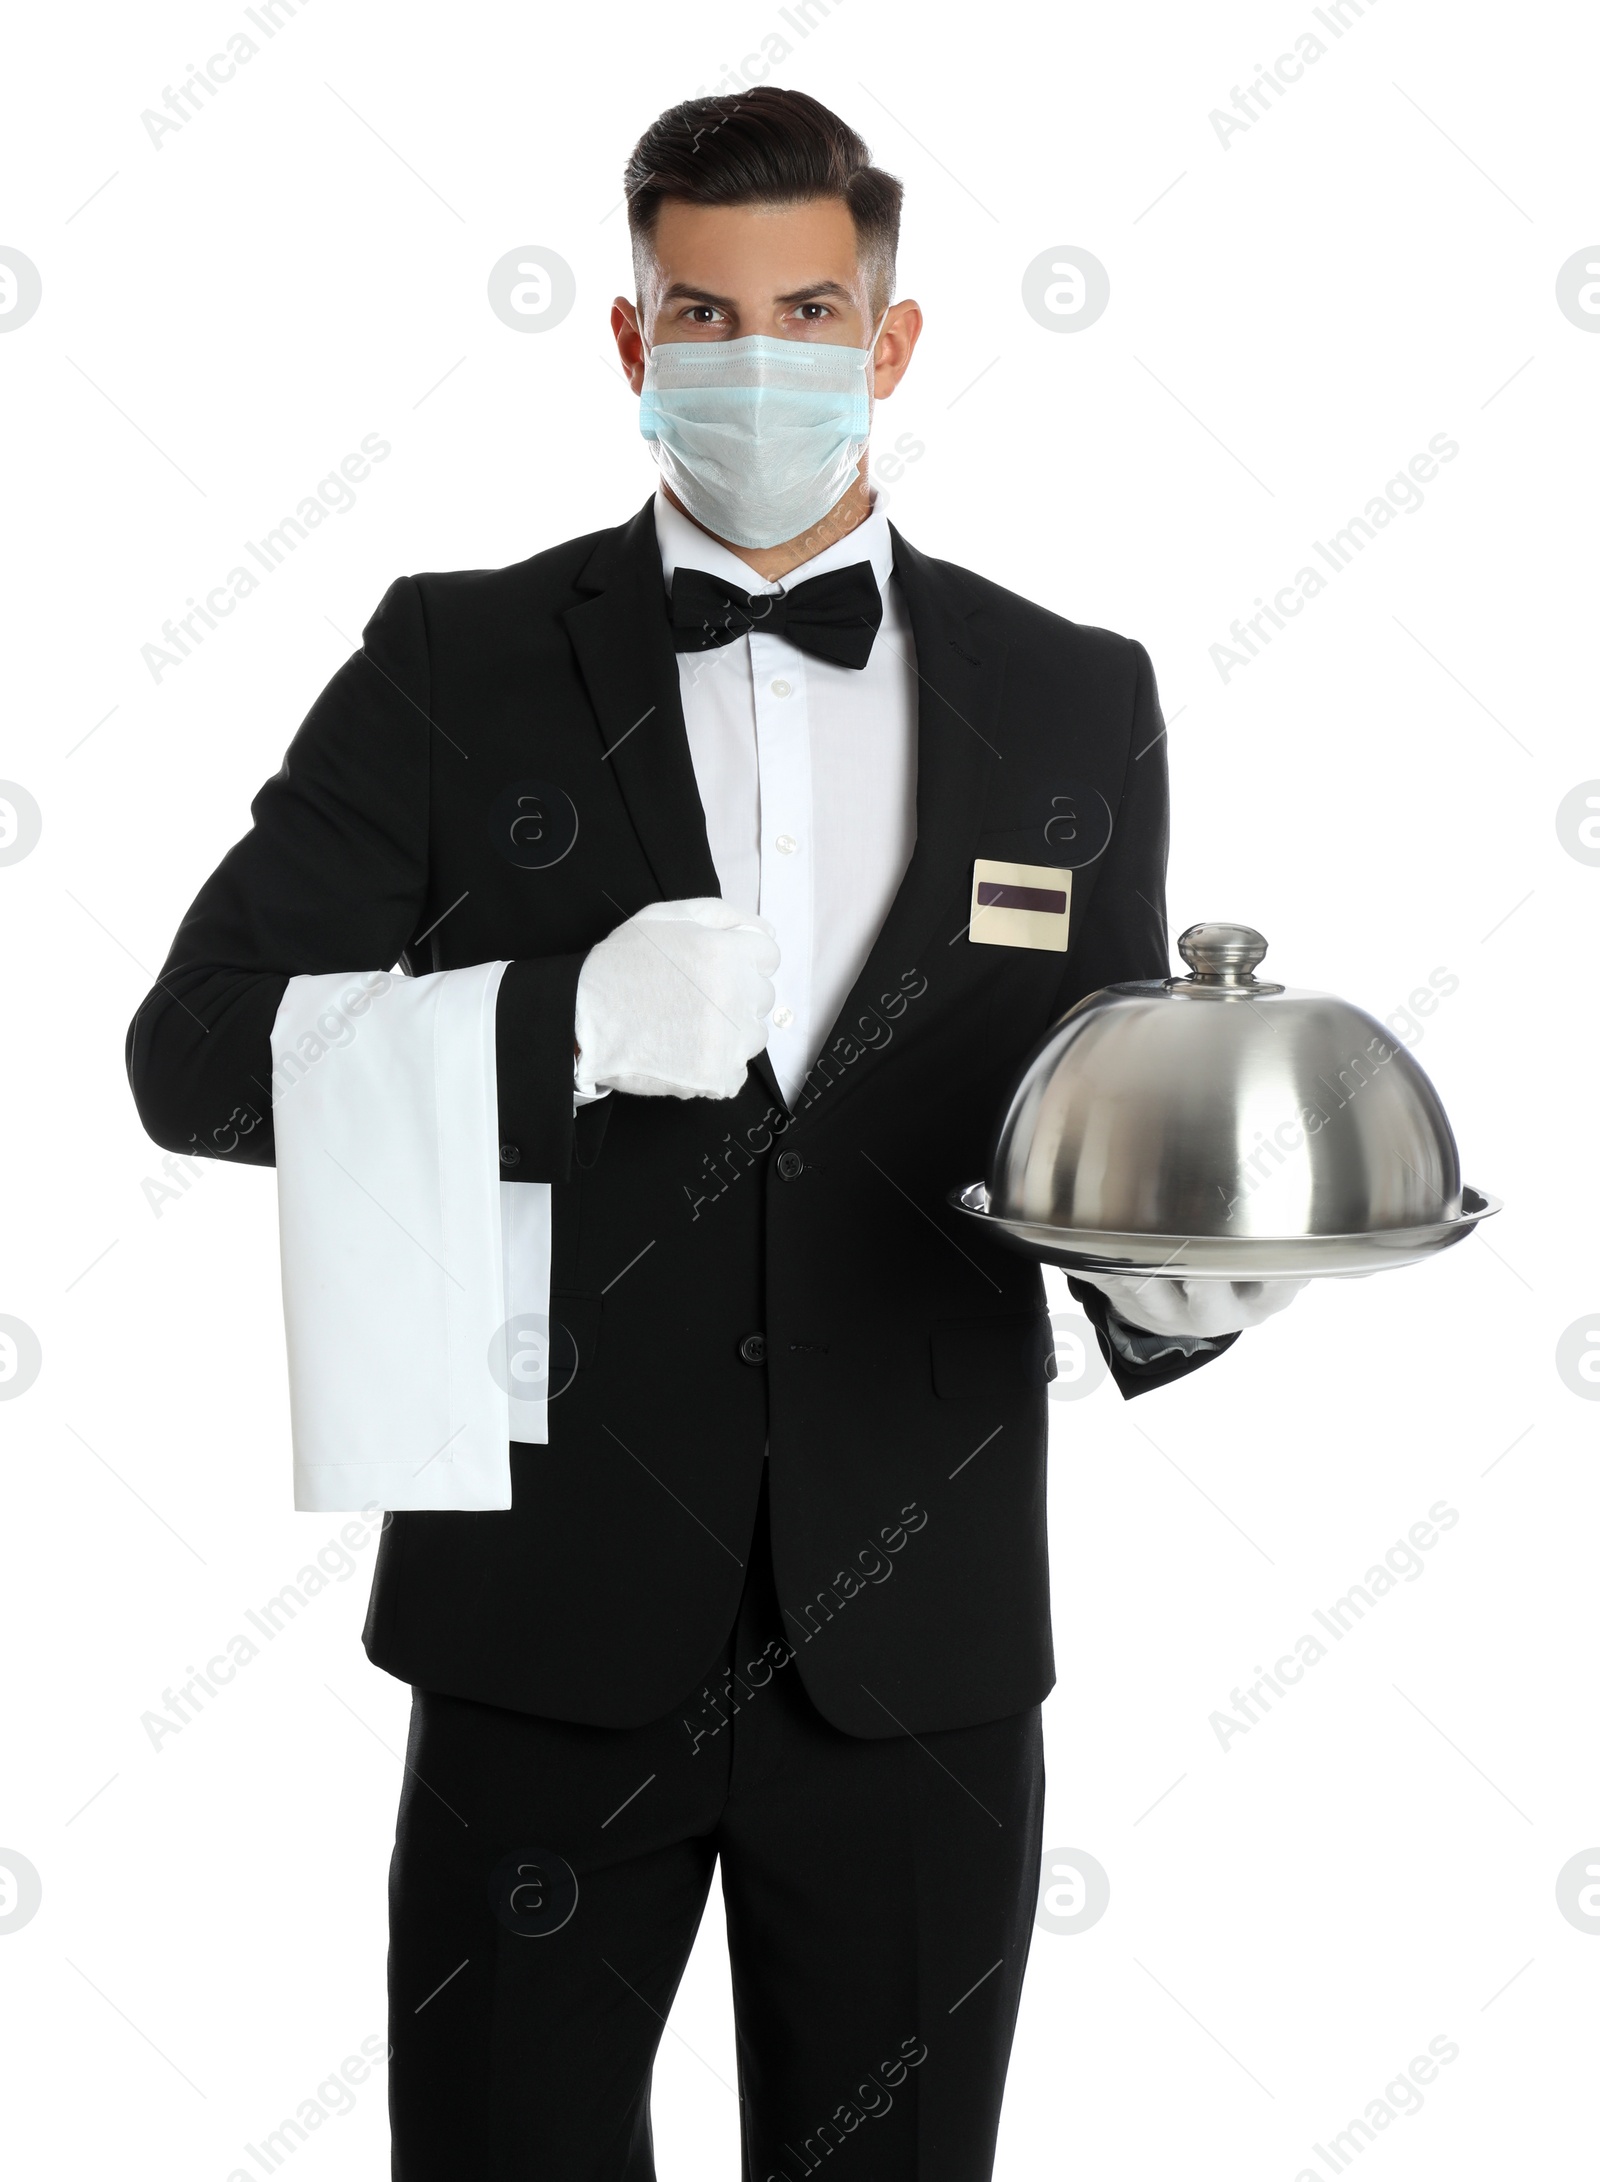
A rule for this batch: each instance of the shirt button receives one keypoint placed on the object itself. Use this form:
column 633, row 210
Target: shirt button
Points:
column 786, row 844
column 783, row 1017
column 780, row 688
column 510, row 1155
column 790, row 1166
column 753, row 1348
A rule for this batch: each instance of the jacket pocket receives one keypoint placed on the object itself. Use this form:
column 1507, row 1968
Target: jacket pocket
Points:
column 991, row 1358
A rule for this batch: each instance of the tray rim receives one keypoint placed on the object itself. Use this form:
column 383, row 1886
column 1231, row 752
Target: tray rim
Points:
column 1108, row 1249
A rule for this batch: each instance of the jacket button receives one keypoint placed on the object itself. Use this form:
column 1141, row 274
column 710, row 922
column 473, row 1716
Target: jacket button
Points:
column 509, row 1155
column 753, row 1348
column 790, row 1166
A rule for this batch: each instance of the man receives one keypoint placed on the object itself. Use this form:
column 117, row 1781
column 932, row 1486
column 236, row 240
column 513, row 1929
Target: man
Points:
column 775, row 1589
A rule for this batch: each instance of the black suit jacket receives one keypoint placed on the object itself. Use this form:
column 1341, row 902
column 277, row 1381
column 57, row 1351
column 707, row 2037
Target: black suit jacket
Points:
column 726, row 1274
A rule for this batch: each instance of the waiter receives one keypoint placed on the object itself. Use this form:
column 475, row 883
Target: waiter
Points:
column 715, row 785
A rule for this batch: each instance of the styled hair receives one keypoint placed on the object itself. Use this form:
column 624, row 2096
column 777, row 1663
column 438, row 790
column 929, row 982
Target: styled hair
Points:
column 764, row 146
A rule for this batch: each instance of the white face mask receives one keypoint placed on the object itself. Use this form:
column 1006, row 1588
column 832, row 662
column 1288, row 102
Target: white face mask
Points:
column 758, row 437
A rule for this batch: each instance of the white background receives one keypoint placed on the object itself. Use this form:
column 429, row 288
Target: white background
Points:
column 1292, row 317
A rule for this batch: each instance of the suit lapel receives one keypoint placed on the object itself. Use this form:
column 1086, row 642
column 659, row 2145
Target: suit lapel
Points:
column 623, row 641
column 960, row 668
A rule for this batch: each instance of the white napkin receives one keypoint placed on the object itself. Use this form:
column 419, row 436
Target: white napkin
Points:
column 404, row 1255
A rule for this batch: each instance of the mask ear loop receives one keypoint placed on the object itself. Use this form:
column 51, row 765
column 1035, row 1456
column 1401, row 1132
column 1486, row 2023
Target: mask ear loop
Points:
column 870, row 366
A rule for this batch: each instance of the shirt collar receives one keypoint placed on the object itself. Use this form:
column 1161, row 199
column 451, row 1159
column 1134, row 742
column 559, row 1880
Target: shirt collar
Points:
column 685, row 544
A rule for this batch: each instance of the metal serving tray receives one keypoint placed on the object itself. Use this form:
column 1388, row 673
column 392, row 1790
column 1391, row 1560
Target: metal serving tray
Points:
column 1226, row 1257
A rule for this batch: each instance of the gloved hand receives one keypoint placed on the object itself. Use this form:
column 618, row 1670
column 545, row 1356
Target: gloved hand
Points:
column 1162, row 1304
column 671, row 1004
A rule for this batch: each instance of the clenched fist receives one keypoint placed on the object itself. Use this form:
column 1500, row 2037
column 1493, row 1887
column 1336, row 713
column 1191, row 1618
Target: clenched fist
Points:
column 673, row 1003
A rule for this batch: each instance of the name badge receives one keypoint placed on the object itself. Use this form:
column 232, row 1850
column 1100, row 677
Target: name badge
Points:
column 1020, row 905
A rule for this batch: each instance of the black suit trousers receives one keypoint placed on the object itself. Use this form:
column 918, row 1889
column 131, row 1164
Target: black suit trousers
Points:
column 549, row 1878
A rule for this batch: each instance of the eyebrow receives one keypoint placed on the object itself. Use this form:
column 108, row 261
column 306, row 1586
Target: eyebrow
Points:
column 680, row 291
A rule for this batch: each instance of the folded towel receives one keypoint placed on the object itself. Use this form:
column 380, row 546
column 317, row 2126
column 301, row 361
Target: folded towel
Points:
column 405, row 1258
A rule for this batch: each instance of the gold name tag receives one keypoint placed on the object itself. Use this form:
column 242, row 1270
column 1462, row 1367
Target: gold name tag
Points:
column 1020, row 905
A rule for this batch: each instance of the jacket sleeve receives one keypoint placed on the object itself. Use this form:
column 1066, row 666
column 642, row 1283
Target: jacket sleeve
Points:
column 333, row 875
column 1125, row 937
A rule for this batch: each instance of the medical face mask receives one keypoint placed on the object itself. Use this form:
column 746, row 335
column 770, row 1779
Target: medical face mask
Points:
column 758, row 437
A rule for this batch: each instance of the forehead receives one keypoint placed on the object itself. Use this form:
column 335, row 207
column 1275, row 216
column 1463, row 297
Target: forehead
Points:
column 756, row 251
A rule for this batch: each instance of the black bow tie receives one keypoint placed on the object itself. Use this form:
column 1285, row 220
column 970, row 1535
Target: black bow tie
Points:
column 834, row 616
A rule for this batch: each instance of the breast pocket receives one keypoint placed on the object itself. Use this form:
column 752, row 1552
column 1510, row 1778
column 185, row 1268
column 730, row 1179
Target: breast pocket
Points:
column 1022, row 844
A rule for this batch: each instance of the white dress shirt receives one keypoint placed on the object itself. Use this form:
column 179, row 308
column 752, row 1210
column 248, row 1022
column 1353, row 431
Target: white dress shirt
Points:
column 807, row 773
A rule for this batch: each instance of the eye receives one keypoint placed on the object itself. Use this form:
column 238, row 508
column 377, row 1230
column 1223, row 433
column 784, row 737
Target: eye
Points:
column 702, row 314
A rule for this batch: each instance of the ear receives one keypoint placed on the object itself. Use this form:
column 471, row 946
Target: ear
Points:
column 901, row 327
column 630, row 342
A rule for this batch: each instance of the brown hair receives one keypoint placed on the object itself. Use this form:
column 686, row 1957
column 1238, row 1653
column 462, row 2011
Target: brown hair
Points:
column 762, row 146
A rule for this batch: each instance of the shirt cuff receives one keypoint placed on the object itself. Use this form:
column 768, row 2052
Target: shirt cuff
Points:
column 580, row 1097
column 1138, row 1345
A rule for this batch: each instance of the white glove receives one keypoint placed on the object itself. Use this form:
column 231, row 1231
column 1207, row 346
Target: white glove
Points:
column 1196, row 1308
column 671, row 1004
